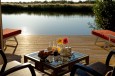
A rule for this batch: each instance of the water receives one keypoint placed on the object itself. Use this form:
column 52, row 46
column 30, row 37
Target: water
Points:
column 40, row 24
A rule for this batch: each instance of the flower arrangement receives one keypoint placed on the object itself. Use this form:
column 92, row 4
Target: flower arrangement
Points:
column 62, row 41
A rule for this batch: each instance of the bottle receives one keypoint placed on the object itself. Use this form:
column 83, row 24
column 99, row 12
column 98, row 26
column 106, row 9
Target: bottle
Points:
column 53, row 47
column 49, row 47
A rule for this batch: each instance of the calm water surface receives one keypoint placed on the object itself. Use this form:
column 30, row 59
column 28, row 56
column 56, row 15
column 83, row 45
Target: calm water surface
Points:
column 32, row 24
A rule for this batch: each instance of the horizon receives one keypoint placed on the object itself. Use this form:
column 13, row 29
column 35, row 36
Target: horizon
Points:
column 36, row 0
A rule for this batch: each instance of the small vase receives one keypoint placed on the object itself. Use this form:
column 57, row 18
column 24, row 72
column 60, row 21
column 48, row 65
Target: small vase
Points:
column 66, row 51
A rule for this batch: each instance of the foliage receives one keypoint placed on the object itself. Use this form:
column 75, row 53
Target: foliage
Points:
column 105, row 14
column 48, row 8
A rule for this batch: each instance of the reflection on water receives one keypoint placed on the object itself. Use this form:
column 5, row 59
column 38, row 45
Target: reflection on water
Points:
column 50, row 13
column 44, row 24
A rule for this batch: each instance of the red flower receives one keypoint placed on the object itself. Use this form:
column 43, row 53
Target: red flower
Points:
column 65, row 40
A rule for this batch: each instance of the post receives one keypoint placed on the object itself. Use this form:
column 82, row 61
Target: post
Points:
column 1, row 30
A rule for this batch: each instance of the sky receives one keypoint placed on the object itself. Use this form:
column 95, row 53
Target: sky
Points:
column 34, row 0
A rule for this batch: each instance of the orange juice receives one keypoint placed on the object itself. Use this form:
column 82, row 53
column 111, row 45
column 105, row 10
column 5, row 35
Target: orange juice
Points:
column 53, row 48
column 59, row 49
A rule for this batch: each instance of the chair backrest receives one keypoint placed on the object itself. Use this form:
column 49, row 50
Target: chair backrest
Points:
column 3, row 61
column 109, row 56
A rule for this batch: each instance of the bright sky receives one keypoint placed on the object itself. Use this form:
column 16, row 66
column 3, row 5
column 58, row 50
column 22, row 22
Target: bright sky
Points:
column 34, row 0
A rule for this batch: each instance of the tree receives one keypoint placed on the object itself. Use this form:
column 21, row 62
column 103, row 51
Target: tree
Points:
column 105, row 14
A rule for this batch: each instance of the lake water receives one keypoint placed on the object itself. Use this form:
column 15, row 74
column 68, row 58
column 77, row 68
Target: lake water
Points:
column 36, row 24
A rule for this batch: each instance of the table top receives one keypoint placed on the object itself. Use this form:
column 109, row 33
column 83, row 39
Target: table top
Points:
column 57, row 61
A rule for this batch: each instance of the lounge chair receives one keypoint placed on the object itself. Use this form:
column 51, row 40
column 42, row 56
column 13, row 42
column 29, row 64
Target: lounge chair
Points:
column 15, row 68
column 95, row 69
column 10, row 33
column 107, row 35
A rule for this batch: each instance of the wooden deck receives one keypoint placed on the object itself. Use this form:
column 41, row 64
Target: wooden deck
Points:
column 83, row 44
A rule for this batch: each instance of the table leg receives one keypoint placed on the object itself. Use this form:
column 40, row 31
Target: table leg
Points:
column 87, row 60
column 25, row 59
column 55, row 73
column 39, row 66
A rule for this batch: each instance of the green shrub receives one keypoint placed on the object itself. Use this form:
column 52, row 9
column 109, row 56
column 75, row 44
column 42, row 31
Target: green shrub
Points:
column 105, row 15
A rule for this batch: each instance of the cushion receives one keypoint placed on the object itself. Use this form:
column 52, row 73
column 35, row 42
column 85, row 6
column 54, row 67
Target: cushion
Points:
column 22, row 72
column 11, row 64
column 80, row 72
column 104, row 34
column 10, row 32
column 100, row 67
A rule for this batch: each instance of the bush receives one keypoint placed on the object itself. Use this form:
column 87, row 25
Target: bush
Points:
column 105, row 15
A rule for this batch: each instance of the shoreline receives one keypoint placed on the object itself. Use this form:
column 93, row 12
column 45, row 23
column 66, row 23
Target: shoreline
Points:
column 25, row 4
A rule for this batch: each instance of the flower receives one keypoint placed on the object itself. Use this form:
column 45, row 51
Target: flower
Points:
column 60, row 41
column 65, row 40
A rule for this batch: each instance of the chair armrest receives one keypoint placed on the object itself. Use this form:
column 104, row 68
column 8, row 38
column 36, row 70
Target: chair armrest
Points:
column 84, row 68
column 109, row 57
column 5, row 61
column 111, row 37
column 19, row 67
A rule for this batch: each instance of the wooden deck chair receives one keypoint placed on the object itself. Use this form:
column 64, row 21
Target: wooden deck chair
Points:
column 10, row 33
column 106, row 35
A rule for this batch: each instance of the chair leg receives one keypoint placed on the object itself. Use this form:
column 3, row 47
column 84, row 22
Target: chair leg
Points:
column 4, row 45
column 16, row 44
column 96, row 40
column 107, row 45
column 15, row 47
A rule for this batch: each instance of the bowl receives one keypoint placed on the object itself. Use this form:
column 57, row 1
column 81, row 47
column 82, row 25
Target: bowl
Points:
column 43, row 54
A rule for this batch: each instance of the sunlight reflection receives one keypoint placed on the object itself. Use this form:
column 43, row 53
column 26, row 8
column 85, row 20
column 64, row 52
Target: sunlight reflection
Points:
column 25, row 31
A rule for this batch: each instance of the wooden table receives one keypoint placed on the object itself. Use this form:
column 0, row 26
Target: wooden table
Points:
column 56, row 65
